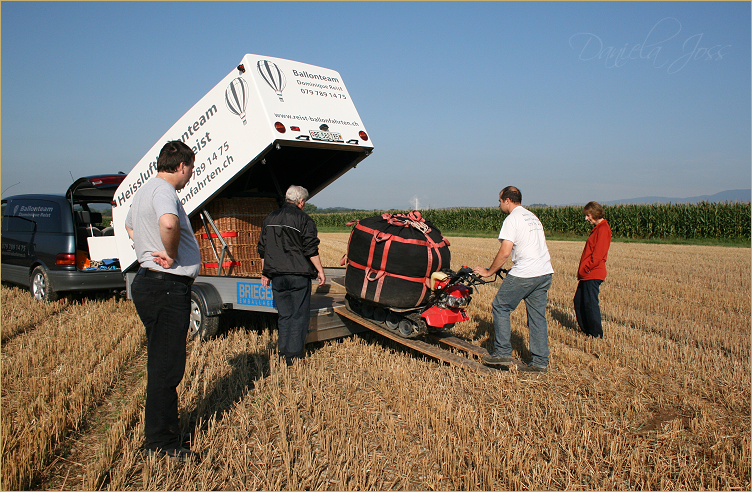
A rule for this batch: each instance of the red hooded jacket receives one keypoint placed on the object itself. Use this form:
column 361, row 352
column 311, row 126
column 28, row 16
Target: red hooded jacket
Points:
column 593, row 260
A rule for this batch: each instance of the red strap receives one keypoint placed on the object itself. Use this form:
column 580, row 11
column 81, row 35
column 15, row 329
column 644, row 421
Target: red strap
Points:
column 423, row 292
column 379, row 236
column 382, row 273
column 403, row 220
column 223, row 234
column 379, row 276
column 385, row 252
column 433, row 247
column 372, row 274
column 372, row 249
column 344, row 257
column 224, row 264
column 421, row 242
column 379, row 286
column 370, row 278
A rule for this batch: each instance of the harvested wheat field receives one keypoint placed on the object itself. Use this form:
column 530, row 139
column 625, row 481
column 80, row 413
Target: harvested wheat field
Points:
column 662, row 402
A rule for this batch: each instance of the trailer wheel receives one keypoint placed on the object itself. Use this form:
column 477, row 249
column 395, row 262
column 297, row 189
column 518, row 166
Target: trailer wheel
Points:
column 201, row 326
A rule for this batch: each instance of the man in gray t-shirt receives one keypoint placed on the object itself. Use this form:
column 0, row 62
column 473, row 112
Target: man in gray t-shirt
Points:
column 155, row 205
column 170, row 259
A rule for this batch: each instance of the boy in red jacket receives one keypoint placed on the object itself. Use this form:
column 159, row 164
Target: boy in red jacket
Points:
column 592, row 272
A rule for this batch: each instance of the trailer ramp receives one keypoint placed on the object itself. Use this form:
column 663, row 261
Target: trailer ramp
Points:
column 428, row 348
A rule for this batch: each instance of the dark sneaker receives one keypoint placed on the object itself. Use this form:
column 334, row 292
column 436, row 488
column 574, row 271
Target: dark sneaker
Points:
column 493, row 360
column 180, row 455
column 533, row 368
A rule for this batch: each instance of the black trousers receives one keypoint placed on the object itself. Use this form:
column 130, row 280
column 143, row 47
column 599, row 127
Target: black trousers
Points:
column 164, row 307
column 587, row 309
column 292, row 295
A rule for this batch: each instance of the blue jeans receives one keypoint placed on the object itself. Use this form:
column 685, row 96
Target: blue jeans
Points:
column 164, row 307
column 534, row 292
column 292, row 295
column 587, row 309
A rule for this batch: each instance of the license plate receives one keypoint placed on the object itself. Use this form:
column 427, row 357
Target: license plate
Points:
column 327, row 136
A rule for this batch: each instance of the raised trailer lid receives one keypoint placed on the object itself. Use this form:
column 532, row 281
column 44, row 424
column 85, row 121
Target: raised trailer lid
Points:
column 268, row 124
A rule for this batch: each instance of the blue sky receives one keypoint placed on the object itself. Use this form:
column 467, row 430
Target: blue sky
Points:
column 568, row 101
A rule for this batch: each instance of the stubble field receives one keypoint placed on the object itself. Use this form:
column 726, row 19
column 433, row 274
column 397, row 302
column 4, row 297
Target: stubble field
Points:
column 662, row 402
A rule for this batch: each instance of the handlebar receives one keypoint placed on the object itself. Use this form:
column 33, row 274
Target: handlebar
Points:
column 464, row 273
column 476, row 279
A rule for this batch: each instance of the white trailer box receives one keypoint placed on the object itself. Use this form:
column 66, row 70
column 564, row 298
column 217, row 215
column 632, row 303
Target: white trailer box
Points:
column 268, row 124
column 271, row 121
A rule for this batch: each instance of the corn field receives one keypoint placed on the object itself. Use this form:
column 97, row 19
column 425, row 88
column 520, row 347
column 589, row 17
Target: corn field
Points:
column 661, row 402
column 672, row 221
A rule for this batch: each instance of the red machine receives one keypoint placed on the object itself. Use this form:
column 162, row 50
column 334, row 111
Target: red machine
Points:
column 450, row 294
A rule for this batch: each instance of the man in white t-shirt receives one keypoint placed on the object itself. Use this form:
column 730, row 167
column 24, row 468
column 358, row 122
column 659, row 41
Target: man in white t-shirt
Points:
column 523, row 241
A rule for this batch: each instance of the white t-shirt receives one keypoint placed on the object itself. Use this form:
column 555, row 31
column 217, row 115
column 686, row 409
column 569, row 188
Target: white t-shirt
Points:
column 529, row 251
column 154, row 199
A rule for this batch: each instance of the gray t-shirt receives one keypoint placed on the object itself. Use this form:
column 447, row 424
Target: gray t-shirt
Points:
column 156, row 198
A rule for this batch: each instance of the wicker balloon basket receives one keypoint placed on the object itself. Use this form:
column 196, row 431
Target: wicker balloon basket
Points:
column 239, row 222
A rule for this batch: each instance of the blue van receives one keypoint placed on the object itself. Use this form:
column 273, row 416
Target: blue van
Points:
column 44, row 239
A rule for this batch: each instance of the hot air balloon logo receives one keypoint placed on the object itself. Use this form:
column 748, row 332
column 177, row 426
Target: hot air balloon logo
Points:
column 273, row 76
column 236, row 97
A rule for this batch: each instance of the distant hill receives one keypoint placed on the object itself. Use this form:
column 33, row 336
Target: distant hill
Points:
column 310, row 208
column 723, row 196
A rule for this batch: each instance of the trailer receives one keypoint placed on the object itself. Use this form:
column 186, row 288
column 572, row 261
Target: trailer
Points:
column 266, row 125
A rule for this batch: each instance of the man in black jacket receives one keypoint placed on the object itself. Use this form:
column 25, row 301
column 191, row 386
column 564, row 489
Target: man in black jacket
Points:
column 289, row 251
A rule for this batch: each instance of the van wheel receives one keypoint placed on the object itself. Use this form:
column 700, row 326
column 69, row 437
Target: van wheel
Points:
column 40, row 286
column 201, row 326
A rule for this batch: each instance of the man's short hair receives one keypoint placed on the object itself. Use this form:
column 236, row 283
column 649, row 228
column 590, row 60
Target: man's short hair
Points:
column 172, row 154
column 296, row 193
column 512, row 193
column 594, row 209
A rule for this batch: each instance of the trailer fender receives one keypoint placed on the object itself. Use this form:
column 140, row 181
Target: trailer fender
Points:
column 209, row 299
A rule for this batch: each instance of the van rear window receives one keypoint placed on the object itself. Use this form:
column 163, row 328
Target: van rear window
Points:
column 44, row 213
